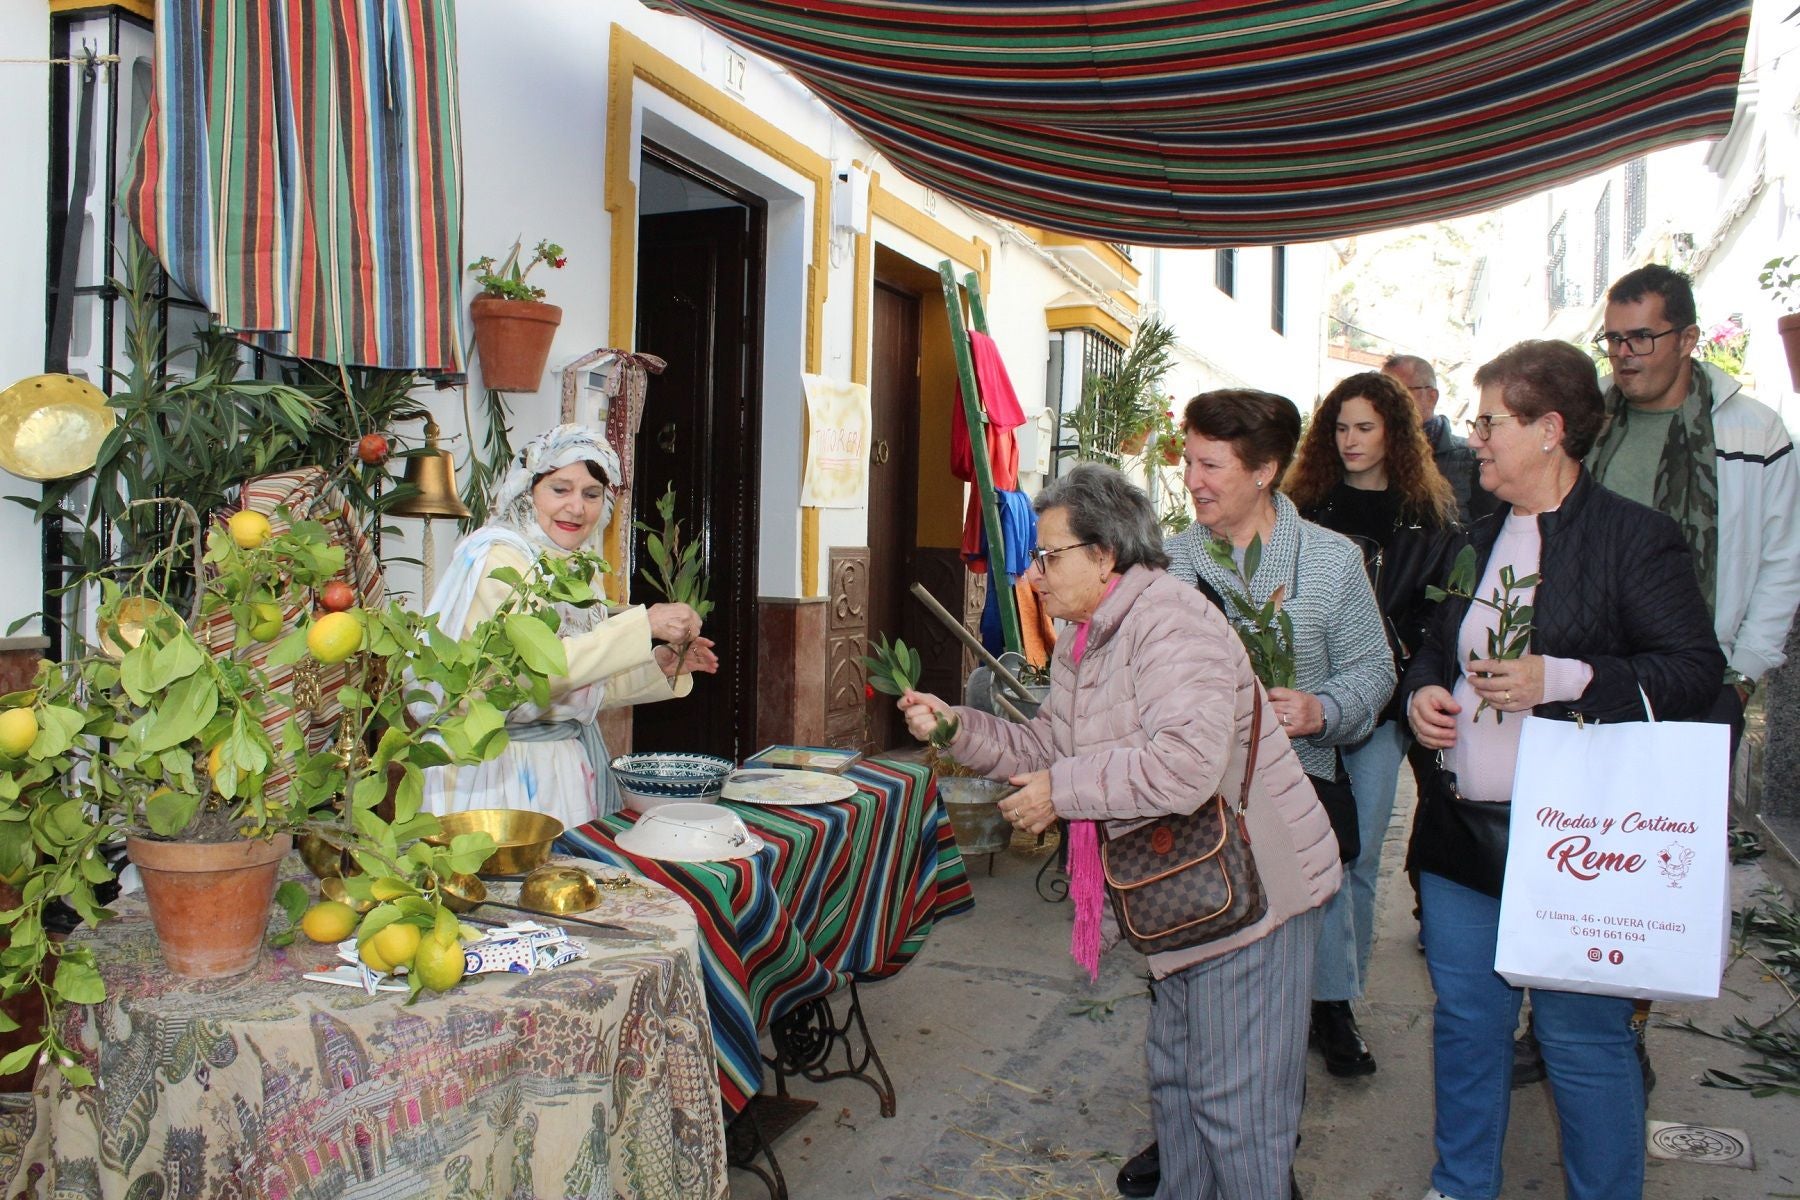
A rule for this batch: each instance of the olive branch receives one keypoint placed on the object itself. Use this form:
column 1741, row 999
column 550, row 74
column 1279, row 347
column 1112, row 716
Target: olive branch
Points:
column 677, row 565
column 1511, row 635
column 895, row 670
column 1266, row 631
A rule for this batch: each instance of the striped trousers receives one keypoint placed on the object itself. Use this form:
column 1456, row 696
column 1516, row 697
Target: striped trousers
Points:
column 1227, row 1063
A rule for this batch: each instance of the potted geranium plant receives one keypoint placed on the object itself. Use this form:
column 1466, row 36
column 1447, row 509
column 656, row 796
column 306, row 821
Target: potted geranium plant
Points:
column 1781, row 279
column 164, row 749
column 513, row 325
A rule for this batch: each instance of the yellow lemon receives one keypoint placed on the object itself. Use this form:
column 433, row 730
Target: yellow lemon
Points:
column 439, row 965
column 248, row 529
column 372, row 958
column 328, row 921
column 334, row 637
column 266, row 625
column 397, row 943
column 213, row 763
column 18, row 730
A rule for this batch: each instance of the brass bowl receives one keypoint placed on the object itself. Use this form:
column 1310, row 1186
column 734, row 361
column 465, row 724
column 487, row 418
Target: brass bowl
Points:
column 521, row 838
column 559, row 891
column 323, row 858
column 462, row 893
column 333, row 889
column 125, row 628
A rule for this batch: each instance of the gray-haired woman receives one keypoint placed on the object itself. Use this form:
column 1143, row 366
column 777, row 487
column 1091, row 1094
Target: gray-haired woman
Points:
column 1149, row 713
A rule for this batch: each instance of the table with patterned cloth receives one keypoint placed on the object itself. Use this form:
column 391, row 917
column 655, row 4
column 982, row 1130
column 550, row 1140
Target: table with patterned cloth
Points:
column 840, row 891
column 593, row 1079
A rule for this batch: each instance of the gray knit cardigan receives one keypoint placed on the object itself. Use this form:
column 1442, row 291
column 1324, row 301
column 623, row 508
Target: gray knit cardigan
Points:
column 1341, row 652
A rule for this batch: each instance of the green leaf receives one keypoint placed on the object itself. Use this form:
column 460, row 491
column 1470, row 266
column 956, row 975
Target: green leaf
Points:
column 183, row 713
column 292, row 900
column 1252, row 556
column 169, row 812
column 77, row 982
column 289, row 650
column 541, row 649
column 21, row 1058
column 58, row 727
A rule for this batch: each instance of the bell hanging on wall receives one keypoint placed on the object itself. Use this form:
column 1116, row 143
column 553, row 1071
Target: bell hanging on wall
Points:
column 434, row 474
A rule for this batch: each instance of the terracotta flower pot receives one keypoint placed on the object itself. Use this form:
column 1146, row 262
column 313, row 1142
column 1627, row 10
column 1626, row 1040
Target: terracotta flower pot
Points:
column 1134, row 443
column 512, row 339
column 209, row 901
column 1171, row 456
column 1789, row 328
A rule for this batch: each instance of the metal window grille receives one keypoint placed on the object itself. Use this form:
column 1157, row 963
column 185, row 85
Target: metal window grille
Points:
column 1603, row 241
column 1557, row 251
column 1278, row 289
column 1225, row 271
column 1637, row 179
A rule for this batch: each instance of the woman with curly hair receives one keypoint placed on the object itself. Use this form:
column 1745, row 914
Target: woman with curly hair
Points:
column 1365, row 470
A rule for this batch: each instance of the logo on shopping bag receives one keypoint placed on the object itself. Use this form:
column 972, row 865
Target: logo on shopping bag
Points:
column 1615, row 957
column 1594, row 954
column 1674, row 861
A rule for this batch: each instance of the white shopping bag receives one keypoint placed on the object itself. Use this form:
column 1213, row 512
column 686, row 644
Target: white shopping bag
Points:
column 1617, row 878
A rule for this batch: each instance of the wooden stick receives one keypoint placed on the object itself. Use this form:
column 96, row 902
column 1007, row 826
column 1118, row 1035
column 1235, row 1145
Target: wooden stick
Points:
column 974, row 643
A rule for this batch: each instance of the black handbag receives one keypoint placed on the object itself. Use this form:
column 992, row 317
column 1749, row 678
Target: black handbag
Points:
column 1459, row 839
column 1189, row 878
column 1339, row 803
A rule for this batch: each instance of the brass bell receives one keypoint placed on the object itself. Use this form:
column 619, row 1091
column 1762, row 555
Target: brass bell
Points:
column 435, row 476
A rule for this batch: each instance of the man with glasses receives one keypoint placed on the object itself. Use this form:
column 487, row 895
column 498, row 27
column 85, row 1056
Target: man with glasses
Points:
column 1455, row 461
column 1684, row 438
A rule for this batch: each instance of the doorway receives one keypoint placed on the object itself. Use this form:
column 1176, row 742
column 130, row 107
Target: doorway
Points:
column 699, row 307
column 893, row 483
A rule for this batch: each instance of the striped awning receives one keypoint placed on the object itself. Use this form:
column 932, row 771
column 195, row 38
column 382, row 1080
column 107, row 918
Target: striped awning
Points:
column 1247, row 122
column 301, row 174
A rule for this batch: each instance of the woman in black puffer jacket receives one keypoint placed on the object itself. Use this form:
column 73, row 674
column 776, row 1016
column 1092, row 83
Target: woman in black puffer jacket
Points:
column 1617, row 619
column 1366, row 471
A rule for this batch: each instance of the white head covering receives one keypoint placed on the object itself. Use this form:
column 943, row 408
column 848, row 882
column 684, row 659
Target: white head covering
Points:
column 552, row 450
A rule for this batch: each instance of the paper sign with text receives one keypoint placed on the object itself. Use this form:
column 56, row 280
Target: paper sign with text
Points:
column 837, row 444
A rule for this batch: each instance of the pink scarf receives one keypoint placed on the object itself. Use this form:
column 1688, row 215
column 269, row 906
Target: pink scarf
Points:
column 1087, row 880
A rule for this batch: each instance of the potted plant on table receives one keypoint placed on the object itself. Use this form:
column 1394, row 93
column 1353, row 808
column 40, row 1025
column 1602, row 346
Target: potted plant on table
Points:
column 1781, row 279
column 155, row 744
column 513, row 326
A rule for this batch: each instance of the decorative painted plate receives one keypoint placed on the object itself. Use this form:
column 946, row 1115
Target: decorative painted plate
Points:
column 783, row 787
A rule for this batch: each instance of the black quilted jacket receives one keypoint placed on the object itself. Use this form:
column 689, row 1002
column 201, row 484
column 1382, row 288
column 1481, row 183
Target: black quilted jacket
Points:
column 1617, row 590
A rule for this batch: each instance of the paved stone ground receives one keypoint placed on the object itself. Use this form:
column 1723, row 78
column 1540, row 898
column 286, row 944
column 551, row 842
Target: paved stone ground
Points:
column 1009, row 1090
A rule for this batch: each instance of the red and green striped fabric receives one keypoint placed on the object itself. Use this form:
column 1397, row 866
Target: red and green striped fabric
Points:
column 839, row 891
column 300, row 174
column 1248, row 122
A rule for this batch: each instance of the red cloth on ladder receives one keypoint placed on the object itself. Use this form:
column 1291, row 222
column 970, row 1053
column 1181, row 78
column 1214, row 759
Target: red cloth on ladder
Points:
column 1001, row 404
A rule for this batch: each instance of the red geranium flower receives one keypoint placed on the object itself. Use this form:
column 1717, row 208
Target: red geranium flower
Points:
column 868, row 691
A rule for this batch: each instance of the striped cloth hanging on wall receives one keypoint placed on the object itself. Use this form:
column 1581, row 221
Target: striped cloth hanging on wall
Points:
column 300, row 174
column 1252, row 122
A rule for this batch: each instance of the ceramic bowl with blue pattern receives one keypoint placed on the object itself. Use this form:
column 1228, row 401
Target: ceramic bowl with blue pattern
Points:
column 651, row 779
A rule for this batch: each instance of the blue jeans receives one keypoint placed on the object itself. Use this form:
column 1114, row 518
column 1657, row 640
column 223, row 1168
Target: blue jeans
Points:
column 1590, row 1054
column 1349, row 934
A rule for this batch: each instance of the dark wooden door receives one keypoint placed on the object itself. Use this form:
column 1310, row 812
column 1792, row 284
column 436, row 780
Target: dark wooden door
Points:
column 699, row 290
column 893, row 483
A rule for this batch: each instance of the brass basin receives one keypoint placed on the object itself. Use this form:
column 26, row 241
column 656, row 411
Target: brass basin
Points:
column 322, row 857
column 462, row 893
column 333, row 889
column 559, row 891
column 125, row 628
column 521, row 838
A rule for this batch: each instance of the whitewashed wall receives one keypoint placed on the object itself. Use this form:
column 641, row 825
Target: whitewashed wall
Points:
column 25, row 101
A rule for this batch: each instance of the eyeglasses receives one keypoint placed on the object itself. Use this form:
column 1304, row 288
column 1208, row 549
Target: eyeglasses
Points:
column 1639, row 341
column 1483, row 426
column 1041, row 558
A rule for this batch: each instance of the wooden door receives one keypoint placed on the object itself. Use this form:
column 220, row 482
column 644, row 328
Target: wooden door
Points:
column 699, row 291
column 893, row 483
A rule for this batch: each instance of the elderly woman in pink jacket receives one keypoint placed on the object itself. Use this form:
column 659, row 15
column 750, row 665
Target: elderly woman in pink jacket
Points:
column 1149, row 713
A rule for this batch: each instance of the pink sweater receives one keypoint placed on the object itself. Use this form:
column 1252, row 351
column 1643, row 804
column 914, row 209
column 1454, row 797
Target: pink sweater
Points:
column 1487, row 751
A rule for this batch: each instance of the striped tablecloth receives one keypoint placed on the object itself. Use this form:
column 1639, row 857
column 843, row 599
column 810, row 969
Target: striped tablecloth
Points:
column 839, row 891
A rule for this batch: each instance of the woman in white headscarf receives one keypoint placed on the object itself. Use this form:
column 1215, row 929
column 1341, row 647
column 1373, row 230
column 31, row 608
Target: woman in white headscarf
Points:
column 556, row 499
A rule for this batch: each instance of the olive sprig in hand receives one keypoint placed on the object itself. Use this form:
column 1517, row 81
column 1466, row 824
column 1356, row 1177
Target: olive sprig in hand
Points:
column 678, row 575
column 895, row 670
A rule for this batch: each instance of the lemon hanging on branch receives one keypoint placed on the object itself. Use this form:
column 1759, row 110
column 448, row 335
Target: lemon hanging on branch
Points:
column 678, row 576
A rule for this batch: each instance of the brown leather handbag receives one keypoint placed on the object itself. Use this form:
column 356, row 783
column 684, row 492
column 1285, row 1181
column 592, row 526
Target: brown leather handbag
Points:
column 1185, row 879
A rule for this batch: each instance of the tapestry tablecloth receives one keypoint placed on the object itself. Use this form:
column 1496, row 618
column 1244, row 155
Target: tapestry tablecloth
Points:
column 838, row 891
column 594, row 1079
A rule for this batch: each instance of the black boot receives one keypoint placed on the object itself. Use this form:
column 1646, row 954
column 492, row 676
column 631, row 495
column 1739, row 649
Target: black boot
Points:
column 1334, row 1032
column 1528, row 1059
column 1142, row 1173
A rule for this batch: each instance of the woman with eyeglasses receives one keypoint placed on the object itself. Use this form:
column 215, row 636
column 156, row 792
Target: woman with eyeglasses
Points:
column 1615, row 608
column 1366, row 470
column 1149, row 712
column 1238, row 443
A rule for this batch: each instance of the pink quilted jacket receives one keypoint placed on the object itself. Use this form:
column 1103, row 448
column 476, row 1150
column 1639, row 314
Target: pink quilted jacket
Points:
column 1155, row 719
